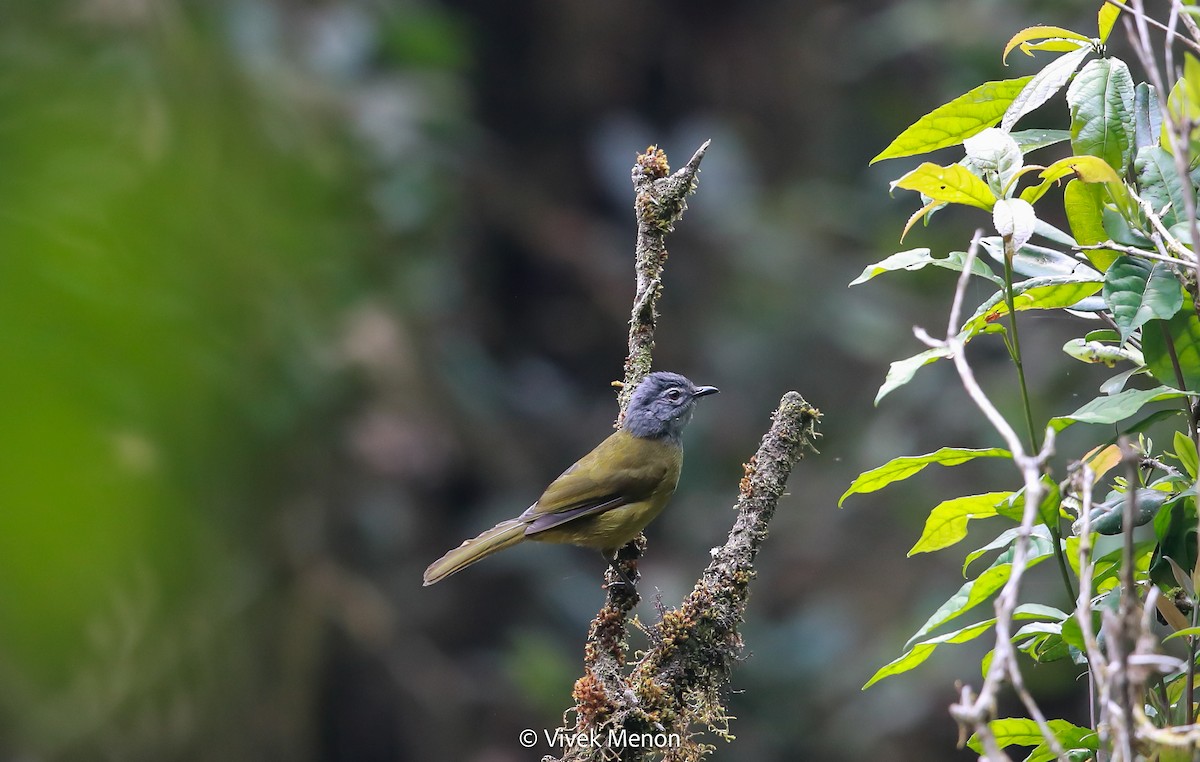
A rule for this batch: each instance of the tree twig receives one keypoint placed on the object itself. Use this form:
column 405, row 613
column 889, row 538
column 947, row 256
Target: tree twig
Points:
column 676, row 684
column 675, row 688
column 974, row 711
column 660, row 199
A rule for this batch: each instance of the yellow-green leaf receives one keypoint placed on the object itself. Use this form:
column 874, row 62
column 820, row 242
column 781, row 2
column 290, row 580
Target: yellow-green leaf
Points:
column 1023, row 37
column 1084, row 206
column 916, row 655
column 947, row 522
column 953, row 122
column 1106, row 18
column 1045, row 293
column 953, row 185
column 905, row 466
column 1089, row 169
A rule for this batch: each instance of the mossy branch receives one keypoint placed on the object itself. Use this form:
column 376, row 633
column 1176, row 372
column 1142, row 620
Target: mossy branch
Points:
column 674, row 691
column 660, row 199
column 678, row 682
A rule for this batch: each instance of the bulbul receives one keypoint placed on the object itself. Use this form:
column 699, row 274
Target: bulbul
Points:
column 609, row 495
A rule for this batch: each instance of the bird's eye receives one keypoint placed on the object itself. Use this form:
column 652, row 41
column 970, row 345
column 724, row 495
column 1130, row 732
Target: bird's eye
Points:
column 674, row 395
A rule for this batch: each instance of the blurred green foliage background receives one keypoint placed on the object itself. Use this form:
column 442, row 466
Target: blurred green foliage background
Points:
column 297, row 294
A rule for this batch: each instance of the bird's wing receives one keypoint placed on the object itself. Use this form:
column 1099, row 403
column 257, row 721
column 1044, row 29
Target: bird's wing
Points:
column 618, row 472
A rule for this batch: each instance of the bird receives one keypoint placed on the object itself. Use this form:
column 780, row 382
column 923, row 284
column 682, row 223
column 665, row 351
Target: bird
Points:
column 607, row 497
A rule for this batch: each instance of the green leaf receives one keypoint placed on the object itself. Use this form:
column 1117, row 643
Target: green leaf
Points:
column 953, row 184
column 1109, row 410
column 1014, row 219
column 916, row 259
column 899, row 469
column 1033, row 139
column 978, row 590
column 1072, row 633
column 995, row 156
column 1186, row 632
column 1101, row 101
column 1043, row 85
column 1160, row 184
column 947, row 522
column 916, row 655
column 1137, row 291
column 1051, row 292
column 1035, row 261
column 1185, row 451
column 1023, row 37
column 902, row 371
column 1106, row 18
column 1088, row 169
column 1147, row 117
column 1084, row 205
column 1184, row 330
column 1002, row 540
column 913, row 259
column 1023, row 731
column 1028, row 611
column 953, row 122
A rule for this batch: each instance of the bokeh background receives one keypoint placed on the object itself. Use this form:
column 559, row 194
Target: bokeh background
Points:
column 297, row 294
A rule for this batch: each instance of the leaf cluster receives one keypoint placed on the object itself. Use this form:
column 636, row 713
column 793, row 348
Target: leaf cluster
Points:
column 1123, row 175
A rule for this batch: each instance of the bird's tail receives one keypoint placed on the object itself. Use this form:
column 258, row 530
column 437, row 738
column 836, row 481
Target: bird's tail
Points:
column 503, row 535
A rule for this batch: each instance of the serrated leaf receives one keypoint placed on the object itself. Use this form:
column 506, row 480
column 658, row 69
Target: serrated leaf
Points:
column 1101, row 102
column 898, row 469
column 953, row 122
column 1051, row 292
column 953, row 184
column 1118, row 407
column 1184, row 330
column 916, row 655
column 1159, row 182
column 978, row 590
column 947, row 522
column 1106, row 18
column 1043, row 85
column 1137, row 291
column 1039, row 33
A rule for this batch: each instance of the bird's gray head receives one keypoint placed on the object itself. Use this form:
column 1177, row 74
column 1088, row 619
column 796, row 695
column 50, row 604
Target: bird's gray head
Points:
column 662, row 405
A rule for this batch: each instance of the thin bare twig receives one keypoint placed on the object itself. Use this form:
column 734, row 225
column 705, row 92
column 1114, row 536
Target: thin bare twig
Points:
column 974, row 711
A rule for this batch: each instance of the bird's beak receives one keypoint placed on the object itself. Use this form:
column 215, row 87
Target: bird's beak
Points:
column 704, row 391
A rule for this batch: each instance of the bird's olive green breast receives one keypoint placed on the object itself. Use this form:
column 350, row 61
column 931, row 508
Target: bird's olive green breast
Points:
column 636, row 476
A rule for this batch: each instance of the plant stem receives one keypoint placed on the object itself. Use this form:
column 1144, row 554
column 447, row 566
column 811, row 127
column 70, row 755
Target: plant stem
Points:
column 1031, row 428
